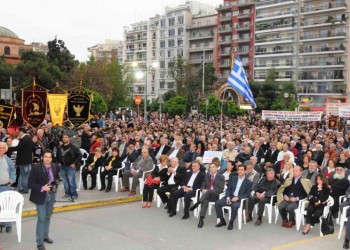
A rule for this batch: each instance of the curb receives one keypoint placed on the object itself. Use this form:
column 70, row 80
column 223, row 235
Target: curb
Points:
column 73, row 207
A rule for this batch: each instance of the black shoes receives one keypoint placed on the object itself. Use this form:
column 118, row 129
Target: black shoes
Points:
column 230, row 226
column 48, row 240
column 166, row 206
column 346, row 244
column 186, row 216
column 9, row 229
column 200, row 223
column 102, row 189
column 172, row 214
column 249, row 219
column 108, row 190
column 41, row 247
column 221, row 223
column 194, row 206
column 91, row 188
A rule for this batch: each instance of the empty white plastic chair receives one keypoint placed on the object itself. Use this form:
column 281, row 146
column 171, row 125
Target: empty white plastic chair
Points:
column 343, row 219
column 11, row 206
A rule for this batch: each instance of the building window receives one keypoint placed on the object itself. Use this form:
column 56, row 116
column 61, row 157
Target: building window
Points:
column 180, row 43
column 161, row 84
column 180, row 20
column 170, row 85
column 7, row 50
column 172, row 32
column 162, row 23
column 172, row 21
column 180, row 31
column 171, row 43
column 162, row 44
column 162, row 64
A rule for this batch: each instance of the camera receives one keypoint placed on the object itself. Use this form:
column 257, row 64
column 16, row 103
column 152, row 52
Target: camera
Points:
column 53, row 187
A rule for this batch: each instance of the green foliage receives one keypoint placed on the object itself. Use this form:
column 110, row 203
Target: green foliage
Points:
column 98, row 103
column 60, row 56
column 175, row 106
column 214, row 106
column 6, row 71
column 232, row 109
column 168, row 95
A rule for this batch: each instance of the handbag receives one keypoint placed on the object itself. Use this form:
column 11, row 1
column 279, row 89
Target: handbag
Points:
column 150, row 181
column 327, row 226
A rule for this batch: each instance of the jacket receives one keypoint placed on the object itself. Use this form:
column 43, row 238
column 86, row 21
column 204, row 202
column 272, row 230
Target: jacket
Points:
column 142, row 165
column 218, row 185
column 69, row 154
column 24, row 150
column 306, row 183
column 244, row 190
column 316, row 195
column 272, row 189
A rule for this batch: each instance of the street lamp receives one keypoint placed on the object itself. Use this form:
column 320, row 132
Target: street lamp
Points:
column 143, row 73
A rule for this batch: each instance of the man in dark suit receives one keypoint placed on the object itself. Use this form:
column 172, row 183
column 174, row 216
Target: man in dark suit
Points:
column 24, row 159
column 176, row 173
column 318, row 155
column 213, row 186
column 130, row 154
column 176, row 151
column 163, row 149
column 238, row 189
column 262, row 193
column 258, row 151
column 192, row 181
column 271, row 156
column 43, row 181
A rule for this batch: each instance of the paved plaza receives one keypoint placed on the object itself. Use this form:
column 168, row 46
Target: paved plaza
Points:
column 131, row 227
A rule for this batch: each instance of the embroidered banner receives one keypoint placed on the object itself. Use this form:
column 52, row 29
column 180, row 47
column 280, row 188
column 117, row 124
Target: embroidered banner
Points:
column 79, row 105
column 5, row 115
column 34, row 104
column 57, row 105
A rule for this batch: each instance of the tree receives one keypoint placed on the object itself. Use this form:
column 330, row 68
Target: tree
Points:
column 233, row 109
column 6, row 71
column 168, row 95
column 175, row 106
column 214, row 106
column 120, row 85
column 60, row 56
column 98, row 104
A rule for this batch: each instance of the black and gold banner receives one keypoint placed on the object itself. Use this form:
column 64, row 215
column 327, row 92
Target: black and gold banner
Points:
column 34, row 103
column 5, row 116
column 79, row 104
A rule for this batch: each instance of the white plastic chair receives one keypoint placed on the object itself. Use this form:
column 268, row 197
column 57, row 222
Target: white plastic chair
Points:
column 297, row 212
column 118, row 177
column 240, row 213
column 11, row 206
column 341, row 200
column 268, row 207
column 303, row 211
column 343, row 219
column 141, row 180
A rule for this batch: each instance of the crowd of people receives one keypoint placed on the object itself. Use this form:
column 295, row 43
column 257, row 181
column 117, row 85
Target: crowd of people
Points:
column 285, row 162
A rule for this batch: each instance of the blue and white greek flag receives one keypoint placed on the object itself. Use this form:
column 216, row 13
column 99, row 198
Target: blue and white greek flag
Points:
column 238, row 80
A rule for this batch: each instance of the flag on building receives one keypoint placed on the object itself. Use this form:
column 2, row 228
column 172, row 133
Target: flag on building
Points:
column 238, row 80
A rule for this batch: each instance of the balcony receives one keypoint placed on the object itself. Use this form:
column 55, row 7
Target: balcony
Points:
column 278, row 78
column 200, row 25
column 243, row 52
column 318, row 37
column 276, row 53
column 271, row 16
column 201, row 48
column 225, row 18
column 273, row 40
column 322, row 8
column 223, row 30
column 327, row 78
column 243, row 27
column 263, row 28
column 323, row 64
column 225, row 53
column 226, row 41
column 243, row 15
column 274, row 65
column 225, row 65
column 200, row 60
column 241, row 3
column 322, row 50
column 243, row 40
column 273, row 4
column 202, row 36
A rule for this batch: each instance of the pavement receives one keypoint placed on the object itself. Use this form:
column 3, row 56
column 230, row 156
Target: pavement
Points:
column 130, row 227
column 86, row 199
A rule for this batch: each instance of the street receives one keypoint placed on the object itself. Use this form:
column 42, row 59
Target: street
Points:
column 131, row 227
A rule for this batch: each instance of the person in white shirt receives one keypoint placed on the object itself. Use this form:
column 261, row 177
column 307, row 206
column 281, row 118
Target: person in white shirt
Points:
column 284, row 151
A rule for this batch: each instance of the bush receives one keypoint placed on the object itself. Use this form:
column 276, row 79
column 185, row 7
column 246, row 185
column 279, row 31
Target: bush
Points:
column 98, row 104
column 175, row 106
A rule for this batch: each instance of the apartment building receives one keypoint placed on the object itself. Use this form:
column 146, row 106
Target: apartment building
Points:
column 108, row 51
column 202, row 35
column 235, row 23
column 174, row 40
column 306, row 42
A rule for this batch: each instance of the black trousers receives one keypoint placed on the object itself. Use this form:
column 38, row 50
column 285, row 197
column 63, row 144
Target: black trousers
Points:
column 109, row 175
column 261, row 204
column 313, row 214
column 175, row 195
column 148, row 192
column 93, row 174
column 164, row 189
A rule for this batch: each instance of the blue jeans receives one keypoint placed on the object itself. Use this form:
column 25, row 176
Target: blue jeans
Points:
column 3, row 189
column 44, row 217
column 68, row 178
column 23, row 176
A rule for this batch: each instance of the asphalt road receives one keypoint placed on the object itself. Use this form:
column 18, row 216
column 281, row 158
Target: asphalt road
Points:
column 131, row 227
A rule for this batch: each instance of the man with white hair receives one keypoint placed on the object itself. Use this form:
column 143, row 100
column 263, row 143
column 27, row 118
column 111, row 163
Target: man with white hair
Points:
column 339, row 184
column 176, row 151
column 284, row 151
column 318, row 155
column 230, row 153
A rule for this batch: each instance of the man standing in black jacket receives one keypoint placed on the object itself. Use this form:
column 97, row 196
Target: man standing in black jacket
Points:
column 69, row 157
column 24, row 159
column 43, row 181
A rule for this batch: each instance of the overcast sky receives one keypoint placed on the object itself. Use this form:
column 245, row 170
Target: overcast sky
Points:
column 79, row 23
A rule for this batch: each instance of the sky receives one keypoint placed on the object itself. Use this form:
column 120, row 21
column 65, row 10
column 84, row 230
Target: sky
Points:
column 79, row 23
